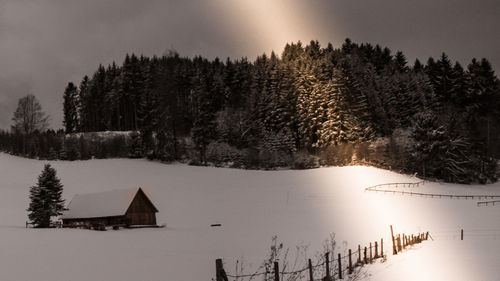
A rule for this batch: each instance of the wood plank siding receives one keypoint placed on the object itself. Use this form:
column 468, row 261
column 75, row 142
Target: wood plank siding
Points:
column 141, row 210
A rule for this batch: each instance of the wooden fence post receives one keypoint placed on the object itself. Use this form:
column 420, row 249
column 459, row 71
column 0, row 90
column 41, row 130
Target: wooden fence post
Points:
column 327, row 258
column 376, row 249
column 350, row 262
column 462, row 234
column 276, row 271
column 370, row 252
column 311, row 277
column 218, row 267
column 340, row 266
column 382, row 247
column 220, row 273
column 366, row 259
column 394, row 251
column 359, row 254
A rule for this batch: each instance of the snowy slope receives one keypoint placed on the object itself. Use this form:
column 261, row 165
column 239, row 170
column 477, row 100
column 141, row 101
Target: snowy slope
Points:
column 252, row 206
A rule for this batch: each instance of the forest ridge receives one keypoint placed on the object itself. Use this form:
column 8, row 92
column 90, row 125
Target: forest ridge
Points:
column 312, row 105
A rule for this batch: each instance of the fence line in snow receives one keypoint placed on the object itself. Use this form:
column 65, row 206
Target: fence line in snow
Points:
column 487, row 203
column 336, row 268
column 377, row 188
column 57, row 224
column 396, row 184
column 472, row 233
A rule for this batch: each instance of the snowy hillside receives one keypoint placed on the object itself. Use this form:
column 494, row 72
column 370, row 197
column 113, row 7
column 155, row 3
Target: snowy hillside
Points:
column 300, row 207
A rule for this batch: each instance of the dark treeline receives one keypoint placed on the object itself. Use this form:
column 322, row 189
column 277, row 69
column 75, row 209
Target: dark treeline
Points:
column 53, row 145
column 312, row 105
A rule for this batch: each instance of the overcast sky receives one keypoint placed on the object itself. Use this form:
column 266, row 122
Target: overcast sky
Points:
column 44, row 44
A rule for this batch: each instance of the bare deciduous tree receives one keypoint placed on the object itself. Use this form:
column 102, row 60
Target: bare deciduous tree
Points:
column 29, row 116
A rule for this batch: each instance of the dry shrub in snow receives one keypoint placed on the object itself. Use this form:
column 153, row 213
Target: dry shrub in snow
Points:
column 223, row 154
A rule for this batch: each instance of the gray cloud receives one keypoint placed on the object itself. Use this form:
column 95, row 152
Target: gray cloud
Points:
column 46, row 43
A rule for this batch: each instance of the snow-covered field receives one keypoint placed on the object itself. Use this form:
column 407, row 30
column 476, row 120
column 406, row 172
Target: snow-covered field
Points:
column 300, row 207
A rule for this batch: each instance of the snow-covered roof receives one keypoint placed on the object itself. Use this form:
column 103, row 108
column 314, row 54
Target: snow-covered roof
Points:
column 102, row 204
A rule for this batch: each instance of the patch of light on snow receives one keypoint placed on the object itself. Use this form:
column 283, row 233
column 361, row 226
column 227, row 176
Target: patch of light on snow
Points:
column 471, row 259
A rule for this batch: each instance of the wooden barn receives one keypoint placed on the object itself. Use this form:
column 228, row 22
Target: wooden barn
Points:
column 127, row 207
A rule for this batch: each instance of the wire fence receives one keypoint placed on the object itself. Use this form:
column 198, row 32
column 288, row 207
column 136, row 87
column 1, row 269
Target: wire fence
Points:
column 396, row 184
column 364, row 255
column 327, row 268
column 57, row 224
column 382, row 189
column 488, row 203
column 478, row 233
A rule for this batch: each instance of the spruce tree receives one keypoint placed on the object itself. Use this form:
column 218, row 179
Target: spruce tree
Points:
column 429, row 138
column 136, row 149
column 400, row 62
column 70, row 108
column 417, row 66
column 203, row 128
column 46, row 198
column 84, row 106
column 443, row 79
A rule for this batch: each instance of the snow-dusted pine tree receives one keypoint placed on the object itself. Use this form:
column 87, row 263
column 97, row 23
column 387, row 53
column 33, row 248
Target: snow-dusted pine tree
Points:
column 46, row 198
column 332, row 127
column 70, row 108
column 429, row 142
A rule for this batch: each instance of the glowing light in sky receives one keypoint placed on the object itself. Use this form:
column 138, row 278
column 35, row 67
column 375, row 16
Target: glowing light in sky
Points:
column 271, row 24
column 273, row 21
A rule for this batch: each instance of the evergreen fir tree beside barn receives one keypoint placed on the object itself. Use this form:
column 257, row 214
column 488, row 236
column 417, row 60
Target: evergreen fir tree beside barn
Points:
column 127, row 207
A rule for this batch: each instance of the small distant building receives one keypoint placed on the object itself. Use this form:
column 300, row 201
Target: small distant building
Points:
column 127, row 207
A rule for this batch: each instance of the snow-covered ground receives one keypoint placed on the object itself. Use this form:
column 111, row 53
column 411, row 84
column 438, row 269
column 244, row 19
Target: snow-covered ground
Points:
column 300, row 207
column 472, row 259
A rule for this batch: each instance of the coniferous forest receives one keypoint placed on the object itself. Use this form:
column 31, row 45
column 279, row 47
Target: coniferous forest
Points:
column 309, row 106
